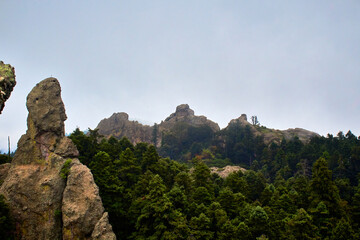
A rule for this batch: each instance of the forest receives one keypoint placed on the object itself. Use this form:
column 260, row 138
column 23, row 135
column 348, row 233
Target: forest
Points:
column 292, row 190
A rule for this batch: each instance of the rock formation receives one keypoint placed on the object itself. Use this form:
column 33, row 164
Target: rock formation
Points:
column 273, row 135
column 7, row 83
column 50, row 193
column 118, row 125
column 184, row 114
column 225, row 171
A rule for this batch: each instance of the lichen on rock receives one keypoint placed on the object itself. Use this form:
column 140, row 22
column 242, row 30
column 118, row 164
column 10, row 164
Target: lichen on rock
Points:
column 7, row 83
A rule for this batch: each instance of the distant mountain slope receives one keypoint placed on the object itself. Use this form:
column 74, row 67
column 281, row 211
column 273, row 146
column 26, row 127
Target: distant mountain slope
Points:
column 183, row 135
column 119, row 125
column 273, row 135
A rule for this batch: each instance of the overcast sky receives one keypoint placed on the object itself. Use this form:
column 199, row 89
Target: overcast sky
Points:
column 291, row 63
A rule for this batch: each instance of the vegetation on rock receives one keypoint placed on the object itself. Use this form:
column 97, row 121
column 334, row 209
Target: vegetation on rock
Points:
column 7, row 83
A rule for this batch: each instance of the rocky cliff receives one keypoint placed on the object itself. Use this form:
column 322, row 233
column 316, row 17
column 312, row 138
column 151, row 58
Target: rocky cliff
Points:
column 273, row 135
column 119, row 125
column 50, row 193
column 7, row 83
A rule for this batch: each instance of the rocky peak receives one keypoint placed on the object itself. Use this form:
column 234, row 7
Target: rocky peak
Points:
column 46, row 109
column 242, row 120
column 119, row 125
column 185, row 114
column 45, row 203
column 184, row 110
column 7, row 83
column 120, row 117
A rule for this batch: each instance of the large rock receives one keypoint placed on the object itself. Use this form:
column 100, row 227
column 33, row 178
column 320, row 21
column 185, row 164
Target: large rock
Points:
column 81, row 204
column 45, row 203
column 103, row 230
column 7, row 83
column 119, row 125
column 273, row 135
column 185, row 114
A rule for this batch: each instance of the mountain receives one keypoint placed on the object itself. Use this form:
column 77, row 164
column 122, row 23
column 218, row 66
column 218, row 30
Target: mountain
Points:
column 119, row 125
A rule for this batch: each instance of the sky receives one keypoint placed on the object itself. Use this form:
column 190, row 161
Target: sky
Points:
column 290, row 63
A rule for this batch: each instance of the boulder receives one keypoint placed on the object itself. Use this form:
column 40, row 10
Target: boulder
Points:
column 81, row 204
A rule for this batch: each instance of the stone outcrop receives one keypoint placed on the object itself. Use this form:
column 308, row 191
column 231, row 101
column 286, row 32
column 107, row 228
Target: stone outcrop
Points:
column 184, row 114
column 45, row 203
column 273, row 135
column 119, row 125
column 7, row 83
column 225, row 171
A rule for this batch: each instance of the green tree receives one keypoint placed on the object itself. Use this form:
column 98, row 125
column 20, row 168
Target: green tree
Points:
column 343, row 231
column 323, row 188
column 258, row 221
column 200, row 228
column 128, row 170
column 158, row 219
column 301, row 226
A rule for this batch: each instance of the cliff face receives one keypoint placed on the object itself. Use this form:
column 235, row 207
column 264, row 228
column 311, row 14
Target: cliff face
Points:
column 184, row 114
column 273, row 135
column 118, row 125
column 50, row 193
column 7, row 83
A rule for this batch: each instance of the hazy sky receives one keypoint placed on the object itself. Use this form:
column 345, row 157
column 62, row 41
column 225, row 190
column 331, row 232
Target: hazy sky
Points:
column 291, row 63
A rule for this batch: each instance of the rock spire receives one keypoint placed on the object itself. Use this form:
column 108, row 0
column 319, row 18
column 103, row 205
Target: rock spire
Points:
column 45, row 202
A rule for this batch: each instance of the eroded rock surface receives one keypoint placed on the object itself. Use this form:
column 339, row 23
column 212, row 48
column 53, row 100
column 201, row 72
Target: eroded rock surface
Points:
column 44, row 203
column 273, row 135
column 119, row 125
column 7, row 83
column 185, row 114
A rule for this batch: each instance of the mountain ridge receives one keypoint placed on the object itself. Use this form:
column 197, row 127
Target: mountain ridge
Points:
column 118, row 125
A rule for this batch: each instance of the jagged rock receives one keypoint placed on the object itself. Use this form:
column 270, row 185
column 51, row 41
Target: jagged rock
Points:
column 225, row 171
column 46, row 108
column 7, row 83
column 273, row 135
column 38, row 195
column 4, row 169
column 66, row 149
column 81, row 204
column 103, row 230
column 185, row 114
column 118, row 125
